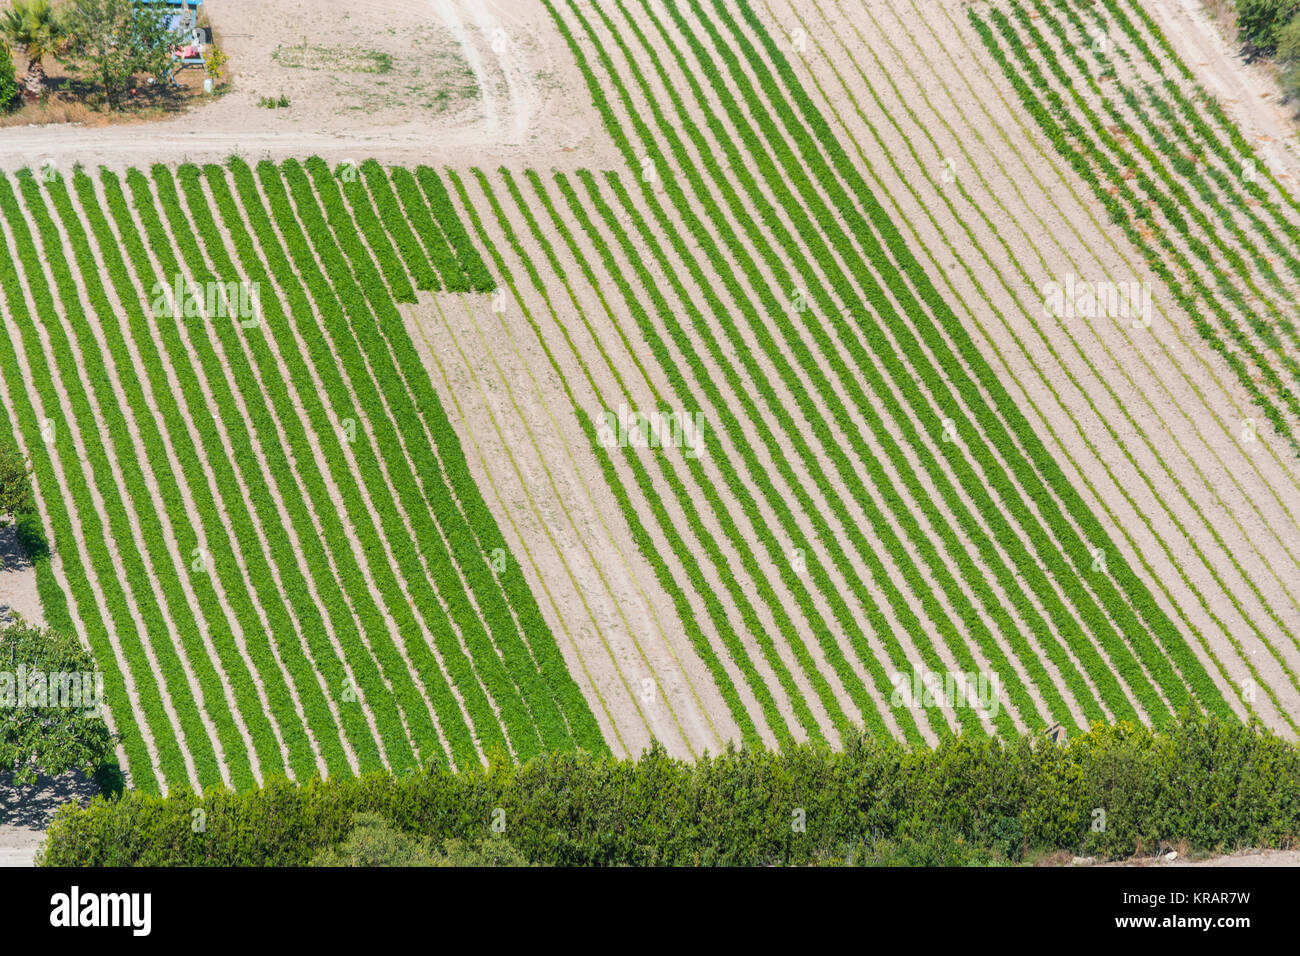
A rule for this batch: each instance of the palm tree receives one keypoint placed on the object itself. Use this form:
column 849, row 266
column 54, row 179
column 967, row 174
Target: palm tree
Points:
column 37, row 28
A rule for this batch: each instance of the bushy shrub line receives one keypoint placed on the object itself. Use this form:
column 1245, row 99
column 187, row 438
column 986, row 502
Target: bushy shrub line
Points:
column 1203, row 784
column 320, row 675
column 265, row 614
column 134, row 321
column 180, row 626
column 644, row 543
column 525, row 699
column 766, row 234
column 45, row 447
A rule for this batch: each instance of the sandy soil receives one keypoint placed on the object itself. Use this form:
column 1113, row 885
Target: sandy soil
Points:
column 494, row 78
column 25, row 812
column 17, row 581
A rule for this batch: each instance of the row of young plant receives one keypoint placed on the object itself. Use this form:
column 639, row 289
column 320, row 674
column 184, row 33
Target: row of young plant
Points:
column 154, row 587
column 1237, row 154
column 416, row 212
column 705, row 538
column 477, row 278
column 1069, row 131
column 1176, row 205
column 1194, row 116
column 347, row 692
column 645, row 543
column 1120, row 215
column 276, row 414
column 251, row 668
column 434, row 599
column 75, row 527
column 243, row 556
column 688, row 169
column 921, row 540
column 308, row 360
column 185, row 621
column 518, row 685
column 1217, row 203
column 1134, row 610
column 975, row 243
column 727, row 423
column 943, row 195
column 474, row 534
column 777, row 310
column 1196, row 168
column 879, row 345
column 140, row 626
column 389, row 210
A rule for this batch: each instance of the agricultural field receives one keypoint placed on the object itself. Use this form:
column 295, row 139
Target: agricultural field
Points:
column 919, row 368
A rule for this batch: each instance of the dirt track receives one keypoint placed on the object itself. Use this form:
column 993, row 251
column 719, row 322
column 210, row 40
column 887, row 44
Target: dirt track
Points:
column 524, row 101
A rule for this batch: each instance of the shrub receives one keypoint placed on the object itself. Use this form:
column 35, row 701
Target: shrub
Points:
column 1209, row 783
column 1260, row 23
column 10, row 88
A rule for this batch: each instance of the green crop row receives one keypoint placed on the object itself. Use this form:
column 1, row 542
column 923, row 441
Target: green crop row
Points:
column 640, row 535
column 260, row 263
column 417, row 214
column 813, row 234
column 782, row 239
column 198, row 366
column 1127, row 598
column 49, row 440
column 512, row 678
column 399, row 229
column 135, row 323
column 1119, row 215
column 279, row 406
column 280, row 630
column 975, row 244
column 182, row 621
column 471, row 263
column 1120, row 606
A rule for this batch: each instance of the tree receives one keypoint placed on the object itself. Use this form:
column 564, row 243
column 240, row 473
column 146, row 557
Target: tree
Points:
column 15, row 483
column 50, row 720
column 373, row 841
column 9, row 85
column 1260, row 23
column 39, row 29
column 1288, row 57
column 113, row 40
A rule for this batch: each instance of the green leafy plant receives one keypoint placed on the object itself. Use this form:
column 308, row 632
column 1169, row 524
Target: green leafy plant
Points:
column 43, row 728
column 39, row 29
column 110, row 41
